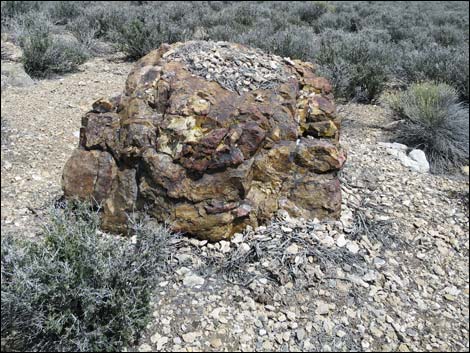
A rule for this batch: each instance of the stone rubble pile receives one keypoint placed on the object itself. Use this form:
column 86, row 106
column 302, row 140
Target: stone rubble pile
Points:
column 235, row 68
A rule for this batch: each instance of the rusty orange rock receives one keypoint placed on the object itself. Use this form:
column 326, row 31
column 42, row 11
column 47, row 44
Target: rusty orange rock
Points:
column 208, row 159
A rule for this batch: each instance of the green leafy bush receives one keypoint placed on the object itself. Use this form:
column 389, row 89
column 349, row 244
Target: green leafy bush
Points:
column 75, row 289
column 44, row 55
column 434, row 121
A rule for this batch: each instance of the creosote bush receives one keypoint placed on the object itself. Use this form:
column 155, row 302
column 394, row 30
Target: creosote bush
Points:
column 76, row 289
column 434, row 121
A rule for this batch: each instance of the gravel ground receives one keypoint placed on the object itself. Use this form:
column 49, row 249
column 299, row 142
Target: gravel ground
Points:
column 391, row 275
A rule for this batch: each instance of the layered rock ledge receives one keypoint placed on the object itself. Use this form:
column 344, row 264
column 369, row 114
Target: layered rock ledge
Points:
column 211, row 137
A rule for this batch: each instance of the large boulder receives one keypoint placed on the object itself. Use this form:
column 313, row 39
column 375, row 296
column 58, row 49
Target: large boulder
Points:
column 13, row 75
column 211, row 137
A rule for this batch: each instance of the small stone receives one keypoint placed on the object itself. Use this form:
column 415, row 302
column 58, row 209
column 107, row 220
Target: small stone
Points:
column 341, row 241
column 340, row 333
column 286, row 229
column 438, row 270
column 224, row 246
column 192, row 280
column 352, row 247
column 370, row 276
column 290, row 315
column 216, row 342
column 161, row 343
column 189, row 337
column 267, row 346
column 419, row 223
column 292, row 249
column 465, row 170
column 155, row 337
column 403, row 348
column 376, row 332
column 365, row 344
column 7, row 165
column 322, row 309
column 411, row 332
column 449, row 297
column 237, row 238
column 379, row 263
column 145, row 348
column 300, row 334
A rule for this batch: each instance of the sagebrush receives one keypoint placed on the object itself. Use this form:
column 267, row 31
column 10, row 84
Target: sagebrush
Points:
column 360, row 46
column 44, row 54
column 76, row 289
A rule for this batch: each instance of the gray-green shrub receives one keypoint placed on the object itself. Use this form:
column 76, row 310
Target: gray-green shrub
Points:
column 44, row 55
column 357, row 64
column 434, row 121
column 376, row 42
column 75, row 289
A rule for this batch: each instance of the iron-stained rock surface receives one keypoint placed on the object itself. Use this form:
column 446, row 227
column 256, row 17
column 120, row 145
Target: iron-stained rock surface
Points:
column 182, row 145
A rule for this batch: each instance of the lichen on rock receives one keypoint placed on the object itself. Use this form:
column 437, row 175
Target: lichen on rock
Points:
column 211, row 154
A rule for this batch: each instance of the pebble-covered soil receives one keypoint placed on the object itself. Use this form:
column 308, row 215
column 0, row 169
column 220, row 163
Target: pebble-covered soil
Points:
column 391, row 275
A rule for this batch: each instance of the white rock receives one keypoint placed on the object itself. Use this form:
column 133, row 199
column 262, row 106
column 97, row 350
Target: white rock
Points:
column 155, row 337
column 322, row 309
column 189, row 337
column 237, row 238
column 293, row 249
column 224, row 246
column 352, row 247
column 420, row 157
column 327, row 241
column 192, row 280
column 286, row 229
column 145, row 348
column 161, row 342
column 244, row 248
column 341, row 241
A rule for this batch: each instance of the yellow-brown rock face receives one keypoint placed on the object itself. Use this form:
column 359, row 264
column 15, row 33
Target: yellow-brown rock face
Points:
column 211, row 137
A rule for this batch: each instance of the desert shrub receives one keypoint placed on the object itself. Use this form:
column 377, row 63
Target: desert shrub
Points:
column 144, row 33
column 44, row 55
column 357, row 64
column 14, row 8
column 76, row 289
column 84, row 30
column 64, row 11
column 23, row 25
column 434, row 121
column 447, row 35
column 372, row 42
column 449, row 65
column 310, row 11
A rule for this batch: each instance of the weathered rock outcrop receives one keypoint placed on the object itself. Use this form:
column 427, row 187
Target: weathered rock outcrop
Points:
column 211, row 137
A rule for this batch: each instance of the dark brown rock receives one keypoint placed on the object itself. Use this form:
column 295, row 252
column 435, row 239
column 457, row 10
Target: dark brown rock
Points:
column 210, row 160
